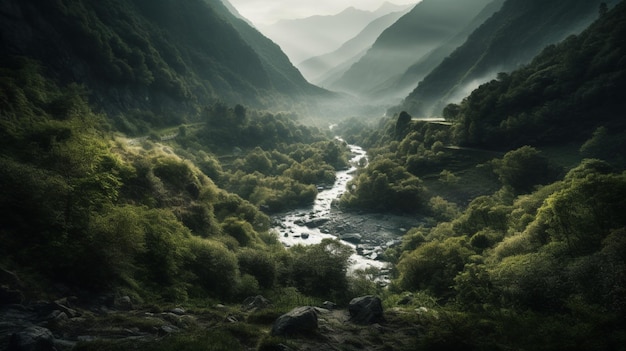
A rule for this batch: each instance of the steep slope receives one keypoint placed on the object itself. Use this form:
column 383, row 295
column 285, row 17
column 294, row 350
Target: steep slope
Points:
column 304, row 38
column 234, row 11
column 163, row 56
column 510, row 38
column 285, row 77
column 429, row 24
column 317, row 68
column 400, row 87
column 562, row 96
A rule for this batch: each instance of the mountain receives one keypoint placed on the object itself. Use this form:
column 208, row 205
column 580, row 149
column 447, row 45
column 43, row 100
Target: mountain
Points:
column 304, row 38
column 562, row 96
column 317, row 69
column 162, row 56
column 286, row 78
column 429, row 24
column 510, row 38
column 401, row 86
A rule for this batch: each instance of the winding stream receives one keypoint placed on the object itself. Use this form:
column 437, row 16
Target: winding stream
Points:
column 304, row 226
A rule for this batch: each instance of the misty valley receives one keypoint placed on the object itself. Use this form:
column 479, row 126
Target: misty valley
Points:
column 441, row 175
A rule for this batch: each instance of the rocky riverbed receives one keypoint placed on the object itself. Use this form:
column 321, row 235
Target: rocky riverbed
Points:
column 369, row 234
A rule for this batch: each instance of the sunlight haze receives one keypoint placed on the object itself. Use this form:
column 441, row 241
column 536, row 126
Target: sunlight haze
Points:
column 264, row 12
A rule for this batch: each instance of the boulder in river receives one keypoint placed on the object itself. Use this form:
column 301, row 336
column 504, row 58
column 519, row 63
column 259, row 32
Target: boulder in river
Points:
column 366, row 310
column 354, row 238
column 298, row 320
column 316, row 222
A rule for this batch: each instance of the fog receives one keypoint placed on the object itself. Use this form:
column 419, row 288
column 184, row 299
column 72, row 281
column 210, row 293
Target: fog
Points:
column 266, row 12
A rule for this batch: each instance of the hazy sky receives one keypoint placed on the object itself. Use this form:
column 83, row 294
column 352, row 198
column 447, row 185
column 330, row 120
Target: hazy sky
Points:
column 262, row 12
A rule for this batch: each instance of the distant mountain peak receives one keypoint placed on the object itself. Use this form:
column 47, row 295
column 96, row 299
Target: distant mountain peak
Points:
column 388, row 7
column 308, row 37
column 351, row 9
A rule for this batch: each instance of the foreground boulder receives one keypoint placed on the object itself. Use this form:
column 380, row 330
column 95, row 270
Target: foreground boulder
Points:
column 366, row 310
column 298, row 320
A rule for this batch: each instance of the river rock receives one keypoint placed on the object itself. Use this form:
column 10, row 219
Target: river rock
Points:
column 33, row 338
column 366, row 310
column 298, row 320
column 354, row 238
column 316, row 222
column 255, row 303
column 178, row 311
column 329, row 305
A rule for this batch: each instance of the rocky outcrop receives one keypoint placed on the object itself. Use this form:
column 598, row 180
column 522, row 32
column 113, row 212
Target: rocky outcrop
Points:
column 366, row 310
column 299, row 320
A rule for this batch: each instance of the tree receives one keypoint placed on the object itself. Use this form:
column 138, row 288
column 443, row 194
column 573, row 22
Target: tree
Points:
column 404, row 119
column 585, row 210
column 321, row 269
column 213, row 265
column 434, row 265
column 523, row 169
column 259, row 264
column 603, row 9
column 240, row 114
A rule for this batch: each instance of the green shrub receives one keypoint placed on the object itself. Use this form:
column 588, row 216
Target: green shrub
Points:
column 213, row 266
column 259, row 264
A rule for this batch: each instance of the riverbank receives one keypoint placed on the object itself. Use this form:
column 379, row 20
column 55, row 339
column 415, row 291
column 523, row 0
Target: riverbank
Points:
column 370, row 234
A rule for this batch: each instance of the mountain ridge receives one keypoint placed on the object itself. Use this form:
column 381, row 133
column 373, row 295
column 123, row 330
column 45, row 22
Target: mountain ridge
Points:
column 155, row 56
column 307, row 37
column 319, row 67
column 428, row 24
column 510, row 38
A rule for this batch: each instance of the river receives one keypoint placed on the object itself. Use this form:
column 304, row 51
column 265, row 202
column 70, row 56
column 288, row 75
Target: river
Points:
column 310, row 225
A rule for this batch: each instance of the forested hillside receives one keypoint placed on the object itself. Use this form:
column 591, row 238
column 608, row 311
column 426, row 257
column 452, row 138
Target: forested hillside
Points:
column 527, row 229
column 509, row 39
column 162, row 56
column 136, row 209
column 562, row 96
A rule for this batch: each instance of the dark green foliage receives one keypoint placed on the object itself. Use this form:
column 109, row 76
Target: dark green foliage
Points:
column 276, row 162
column 214, row 267
column 564, row 94
column 523, row 169
column 506, row 40
column 260, row 265
column 320, row 270
column 433, row 266
column 578, row 214
column 606, row 144
column 544, row 250
column 97, row 214
column 161, row 58
column 385, row 186
column 403, row 121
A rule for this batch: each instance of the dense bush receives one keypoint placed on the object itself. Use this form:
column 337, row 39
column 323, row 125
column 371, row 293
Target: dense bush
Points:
column 320, row 270
column 385, row 186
